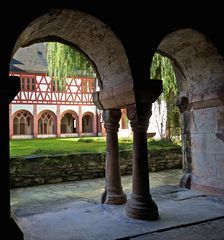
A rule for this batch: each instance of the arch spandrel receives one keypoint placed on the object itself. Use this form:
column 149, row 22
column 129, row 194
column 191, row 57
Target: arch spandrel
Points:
column 97, row 41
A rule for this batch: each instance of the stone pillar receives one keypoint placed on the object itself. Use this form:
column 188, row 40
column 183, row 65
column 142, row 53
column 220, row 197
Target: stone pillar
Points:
column 183, row 105
column 95, row 123
column 58, row 122
column 113, row 191
column 140, row 205
column 35, row 121
column 80, row 122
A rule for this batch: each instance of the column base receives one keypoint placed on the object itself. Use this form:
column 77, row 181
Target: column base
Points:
column 114, row 198
column 185, row 181
column 142, row 208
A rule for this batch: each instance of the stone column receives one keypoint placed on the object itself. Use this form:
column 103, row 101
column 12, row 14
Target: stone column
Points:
column 95, row 122
column 80, row 122
column 35, row 121
column 140, row 205
column 58, row 122
column 184, row 108
column 113, row 191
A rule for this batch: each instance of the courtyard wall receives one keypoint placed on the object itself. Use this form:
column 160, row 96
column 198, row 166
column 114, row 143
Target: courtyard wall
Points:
column 37, row 170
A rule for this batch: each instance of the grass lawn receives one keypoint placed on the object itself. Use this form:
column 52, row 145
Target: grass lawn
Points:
column 50, row 146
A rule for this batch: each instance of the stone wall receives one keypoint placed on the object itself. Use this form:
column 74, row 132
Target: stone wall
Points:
column 36, row 170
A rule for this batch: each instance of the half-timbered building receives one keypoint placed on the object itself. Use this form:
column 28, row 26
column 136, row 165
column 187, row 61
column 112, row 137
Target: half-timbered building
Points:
column 41, row 109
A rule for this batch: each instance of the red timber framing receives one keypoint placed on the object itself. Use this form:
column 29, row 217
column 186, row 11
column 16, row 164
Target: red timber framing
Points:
column 39, row 89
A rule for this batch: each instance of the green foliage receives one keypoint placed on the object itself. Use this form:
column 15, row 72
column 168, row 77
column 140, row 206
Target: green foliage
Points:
column 161, row 68
column 64, row 61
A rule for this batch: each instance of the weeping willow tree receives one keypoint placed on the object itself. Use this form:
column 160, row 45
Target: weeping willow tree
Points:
column 64, row 61
column 161, row 68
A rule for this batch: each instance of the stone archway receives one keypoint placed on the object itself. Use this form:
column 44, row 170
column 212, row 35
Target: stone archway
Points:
column 87, row 122
column 69, row 122
column 47, row 123
column 200, row 73
column 22, row 123
column 96, row 41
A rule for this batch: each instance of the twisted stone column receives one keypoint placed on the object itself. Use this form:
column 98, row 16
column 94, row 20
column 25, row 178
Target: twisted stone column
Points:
column 113, row 191
column 140, row 205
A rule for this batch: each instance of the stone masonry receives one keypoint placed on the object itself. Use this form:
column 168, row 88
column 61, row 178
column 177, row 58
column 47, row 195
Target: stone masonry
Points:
column 37, row 170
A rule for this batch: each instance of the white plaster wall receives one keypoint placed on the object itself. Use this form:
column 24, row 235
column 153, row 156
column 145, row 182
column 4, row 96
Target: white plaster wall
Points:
column 158, row 117
column 40, row 108
column 65, row 108
column 17, row 107
column 89, row 109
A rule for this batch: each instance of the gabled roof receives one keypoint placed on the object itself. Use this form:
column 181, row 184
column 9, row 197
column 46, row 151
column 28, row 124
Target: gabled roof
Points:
column 30, row 59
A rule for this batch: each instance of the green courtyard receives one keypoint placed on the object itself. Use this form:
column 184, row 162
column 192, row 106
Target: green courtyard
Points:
column 52, row 146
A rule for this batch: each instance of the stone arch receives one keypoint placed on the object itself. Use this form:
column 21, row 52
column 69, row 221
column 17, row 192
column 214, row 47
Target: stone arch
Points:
column 197, row 63
column 69, row 121
column 87, row 122
column 200, row 79
column 22, row 122
column 47, row 122
column 89, row 35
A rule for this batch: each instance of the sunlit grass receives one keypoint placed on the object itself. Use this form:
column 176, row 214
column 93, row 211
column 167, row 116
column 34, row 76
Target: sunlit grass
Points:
column 52, row 146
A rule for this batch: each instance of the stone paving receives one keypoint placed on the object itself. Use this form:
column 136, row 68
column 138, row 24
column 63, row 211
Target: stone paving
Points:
column 37, row 199
column 72, row 211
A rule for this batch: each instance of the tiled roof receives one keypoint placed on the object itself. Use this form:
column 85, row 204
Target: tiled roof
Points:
column 30, row 59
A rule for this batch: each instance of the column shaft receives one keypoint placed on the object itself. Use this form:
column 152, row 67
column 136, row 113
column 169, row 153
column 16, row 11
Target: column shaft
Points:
column 35, row 121
column 113, row 190
column 140, row 205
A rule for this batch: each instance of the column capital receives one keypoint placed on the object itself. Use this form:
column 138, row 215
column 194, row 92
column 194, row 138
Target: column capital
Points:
column 139, row 115
column 111, row 119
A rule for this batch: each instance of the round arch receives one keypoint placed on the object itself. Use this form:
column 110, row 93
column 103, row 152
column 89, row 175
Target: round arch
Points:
column 197, row 63
column 200, row 78
column 47, row 122
column 89, row 35
column 69, row 120
column 87, row 122
column 22, row 122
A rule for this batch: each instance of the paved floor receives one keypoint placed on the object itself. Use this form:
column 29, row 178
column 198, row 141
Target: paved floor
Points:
column 72, row 211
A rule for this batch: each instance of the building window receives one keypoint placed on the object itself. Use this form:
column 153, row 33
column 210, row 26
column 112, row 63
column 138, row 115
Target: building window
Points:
column 58, row 86
column 84, row 86
column 23, row 84
column 91, row 86
column 46, row 123
column 27, row 84
column 87, row 85
column 33, row 84
column 22, row 123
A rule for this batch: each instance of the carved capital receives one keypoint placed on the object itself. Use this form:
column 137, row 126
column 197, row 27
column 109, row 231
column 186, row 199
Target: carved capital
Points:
column 182, row 103
column 111, row 119
column 139, row 116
